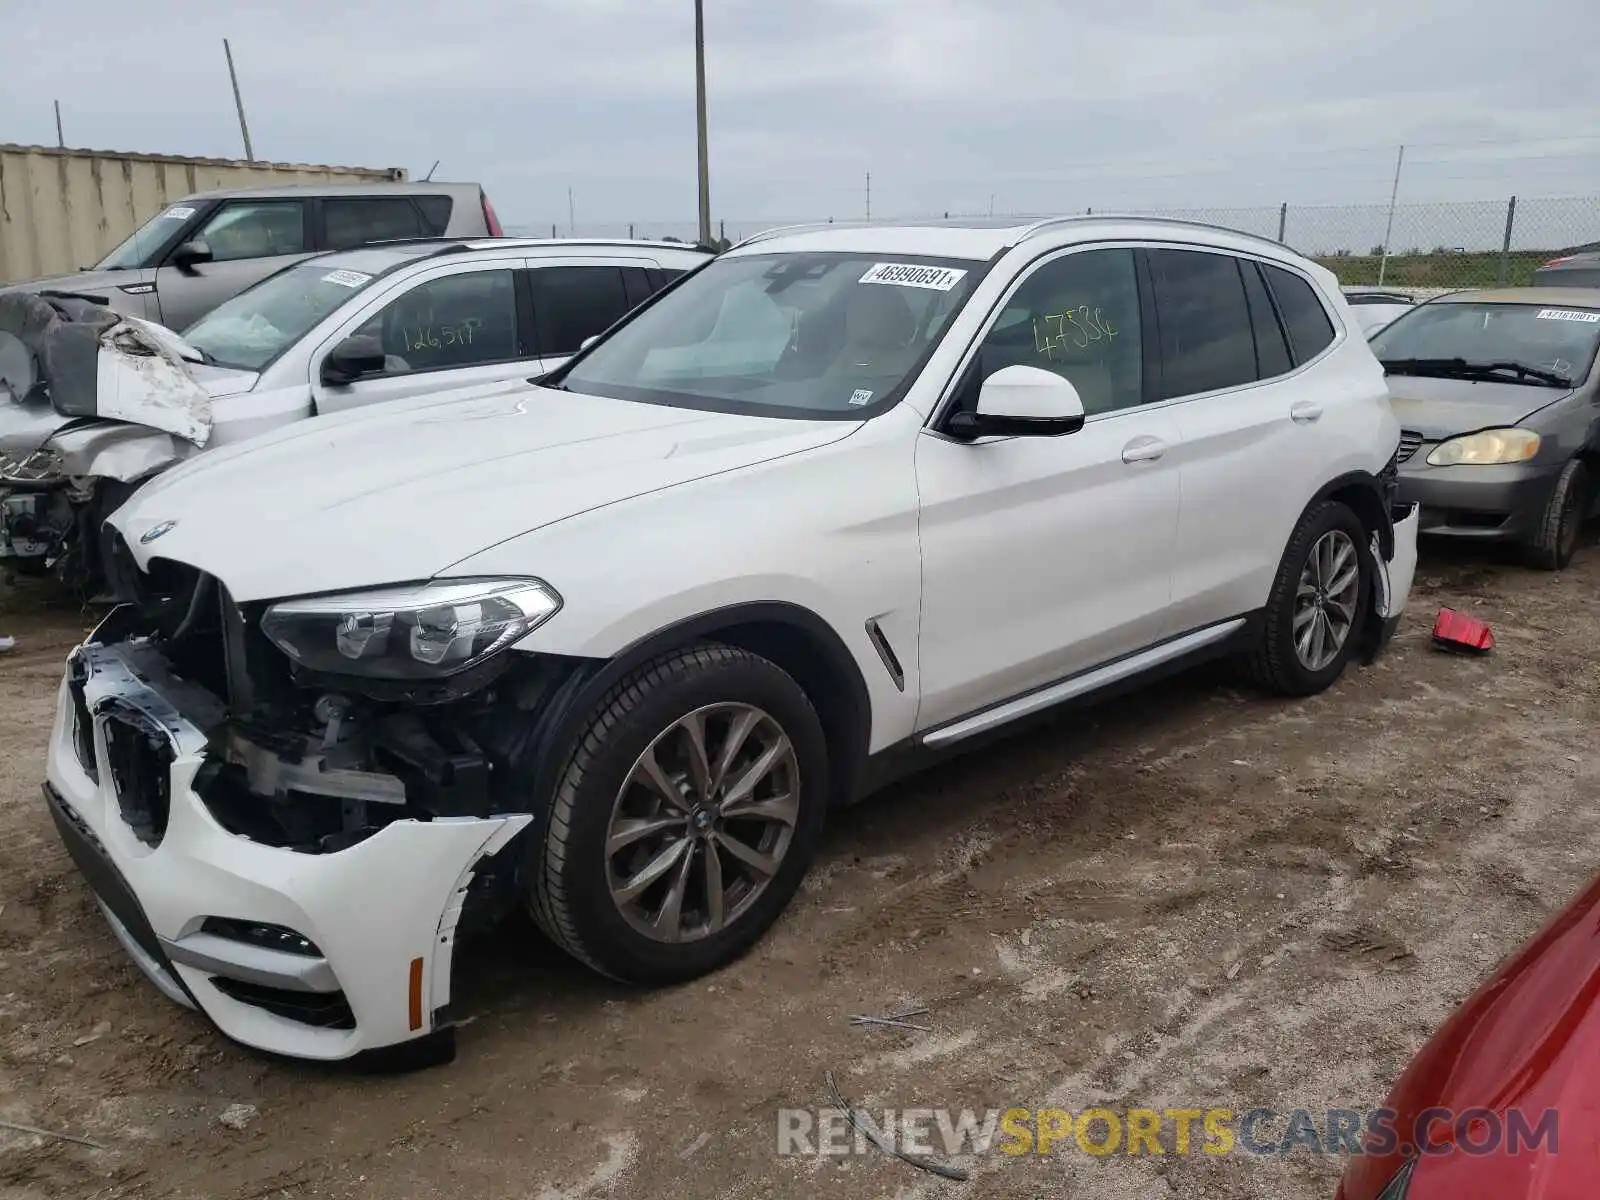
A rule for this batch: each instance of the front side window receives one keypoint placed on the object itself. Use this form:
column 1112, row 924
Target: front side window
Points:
column 459, row 321
column 256, row 229
column 260, row 323
column 358, row 220
column 1206, row 338
column 797, row 334
column 1077, row 316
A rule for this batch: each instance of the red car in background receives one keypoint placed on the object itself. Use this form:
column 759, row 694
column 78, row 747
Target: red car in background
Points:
column 1503, row 1102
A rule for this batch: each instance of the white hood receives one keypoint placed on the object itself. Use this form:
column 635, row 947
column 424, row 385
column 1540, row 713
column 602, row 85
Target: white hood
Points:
column 402, row 492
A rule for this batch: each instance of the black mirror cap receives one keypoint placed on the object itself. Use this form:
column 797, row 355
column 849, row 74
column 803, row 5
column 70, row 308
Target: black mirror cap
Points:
column 189, row 253
column 969, row 426
column 358, row 355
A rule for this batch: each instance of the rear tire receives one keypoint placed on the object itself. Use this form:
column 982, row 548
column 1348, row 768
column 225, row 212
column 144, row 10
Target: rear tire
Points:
column 661, row 863
column 1317, row 605
column 1562, row 522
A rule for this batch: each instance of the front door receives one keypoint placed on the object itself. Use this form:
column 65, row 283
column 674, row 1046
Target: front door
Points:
column 249, row 240
column 1046, row 556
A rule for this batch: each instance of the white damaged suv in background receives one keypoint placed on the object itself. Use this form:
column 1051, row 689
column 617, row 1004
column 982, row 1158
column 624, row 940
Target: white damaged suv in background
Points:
column 610, row 646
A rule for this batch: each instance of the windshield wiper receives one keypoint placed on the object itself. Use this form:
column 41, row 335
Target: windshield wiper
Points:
column 1460, row 368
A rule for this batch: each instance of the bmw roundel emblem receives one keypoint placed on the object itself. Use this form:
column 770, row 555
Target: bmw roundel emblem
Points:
column 155, row 531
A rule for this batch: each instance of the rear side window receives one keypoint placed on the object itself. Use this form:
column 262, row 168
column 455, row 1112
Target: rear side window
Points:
column 574, row 303
column 1310, row 331
column 639, row 283
column 1206, row 338
column 1272, row 350
column 435, row 213
column 358, row 220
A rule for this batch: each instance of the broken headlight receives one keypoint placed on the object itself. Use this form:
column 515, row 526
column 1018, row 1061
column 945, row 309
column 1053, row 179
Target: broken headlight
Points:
column 416, row 631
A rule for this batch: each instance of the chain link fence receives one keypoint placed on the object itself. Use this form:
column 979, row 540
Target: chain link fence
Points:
column 1475, row 243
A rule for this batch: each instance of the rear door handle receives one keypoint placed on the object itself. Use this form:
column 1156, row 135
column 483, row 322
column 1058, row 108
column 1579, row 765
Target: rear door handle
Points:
column 1304, row 412
column 1143, row 449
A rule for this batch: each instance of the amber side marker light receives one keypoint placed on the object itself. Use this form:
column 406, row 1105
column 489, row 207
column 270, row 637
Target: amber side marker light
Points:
column 416, row 993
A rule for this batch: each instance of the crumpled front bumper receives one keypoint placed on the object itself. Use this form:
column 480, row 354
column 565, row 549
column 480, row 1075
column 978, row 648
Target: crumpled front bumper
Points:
column 346, row 952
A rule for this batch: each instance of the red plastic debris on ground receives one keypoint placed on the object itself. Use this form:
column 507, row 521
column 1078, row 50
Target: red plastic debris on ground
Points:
column 1459, row 632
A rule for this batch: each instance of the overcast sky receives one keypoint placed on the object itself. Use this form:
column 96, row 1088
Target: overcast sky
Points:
column 1038, row 105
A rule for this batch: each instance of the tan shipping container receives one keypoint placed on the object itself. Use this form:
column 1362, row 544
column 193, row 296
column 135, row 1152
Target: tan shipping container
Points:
column 62, row 210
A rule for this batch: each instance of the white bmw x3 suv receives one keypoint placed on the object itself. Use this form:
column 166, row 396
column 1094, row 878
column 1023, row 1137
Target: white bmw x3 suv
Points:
column 610, row 643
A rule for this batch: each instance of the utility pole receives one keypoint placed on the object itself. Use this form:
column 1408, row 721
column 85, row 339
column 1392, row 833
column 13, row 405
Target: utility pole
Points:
column 869, row 195
column 572, row 219
column 1388, row 229
column 700, row 120
column 238, row 103
column 61, row 141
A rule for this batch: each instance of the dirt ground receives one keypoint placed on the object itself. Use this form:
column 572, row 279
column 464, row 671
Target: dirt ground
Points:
column 1193, row 897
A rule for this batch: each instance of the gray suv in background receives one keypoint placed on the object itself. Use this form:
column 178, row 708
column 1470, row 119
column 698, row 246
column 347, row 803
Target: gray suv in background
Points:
column 207, row 248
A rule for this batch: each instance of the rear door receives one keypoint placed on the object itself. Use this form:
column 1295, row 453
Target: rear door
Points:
column 1234, row 357
column 249, row 240
column 451, row 326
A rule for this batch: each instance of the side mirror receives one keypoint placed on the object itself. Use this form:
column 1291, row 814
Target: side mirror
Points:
column 358, row 355
column 186, row 256
column 1022, row 401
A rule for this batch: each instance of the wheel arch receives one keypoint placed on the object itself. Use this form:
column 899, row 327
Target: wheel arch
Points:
column 792, row 637
column 1363, row 493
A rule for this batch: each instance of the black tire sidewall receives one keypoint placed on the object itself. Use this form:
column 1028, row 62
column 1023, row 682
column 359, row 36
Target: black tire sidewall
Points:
column 606, row 937
column 1322, row 520
column 1568, row 504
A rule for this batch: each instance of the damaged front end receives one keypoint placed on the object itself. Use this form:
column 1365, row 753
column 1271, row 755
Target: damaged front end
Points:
column 302, row 850
column 91, row 403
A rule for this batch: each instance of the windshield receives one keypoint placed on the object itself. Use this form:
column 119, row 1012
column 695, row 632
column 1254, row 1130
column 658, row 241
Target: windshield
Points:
column 144, row 243
column 1557, row 342
column 262, row 322
column 812, row 335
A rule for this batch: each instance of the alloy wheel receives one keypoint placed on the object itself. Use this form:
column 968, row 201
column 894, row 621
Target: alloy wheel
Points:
column 1325, row 600
column 702, row 822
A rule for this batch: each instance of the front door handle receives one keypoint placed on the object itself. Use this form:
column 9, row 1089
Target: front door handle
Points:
column 1303, row 412
column 1143, row 449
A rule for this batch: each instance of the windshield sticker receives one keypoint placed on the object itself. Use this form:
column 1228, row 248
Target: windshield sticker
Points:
column 180, row 213
column 859, row 397
column 938, row 279
column 1563, row 314
column 350, row 279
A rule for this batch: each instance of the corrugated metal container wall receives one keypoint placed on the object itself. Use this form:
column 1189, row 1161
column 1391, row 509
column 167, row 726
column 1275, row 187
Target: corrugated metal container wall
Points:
column 61, row 210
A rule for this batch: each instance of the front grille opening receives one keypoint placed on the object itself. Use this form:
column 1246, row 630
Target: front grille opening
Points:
column 320, row 1010
column 140, row 760
column 260, row 933
column 1410, row 443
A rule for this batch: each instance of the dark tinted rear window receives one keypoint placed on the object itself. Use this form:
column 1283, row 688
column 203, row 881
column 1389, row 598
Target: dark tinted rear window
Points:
column 1206, row 340
column 1272, row 351
column 354, row 221
column 435, row 213
column 573, row 303
column 1310, row 331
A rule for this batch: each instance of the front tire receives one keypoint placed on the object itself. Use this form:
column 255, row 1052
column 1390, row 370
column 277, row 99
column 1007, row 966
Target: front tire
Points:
column 1317, row 605
column 685, row 819
column 1556, row 541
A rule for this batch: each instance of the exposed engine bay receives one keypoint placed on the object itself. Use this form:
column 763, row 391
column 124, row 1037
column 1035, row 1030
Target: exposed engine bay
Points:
column 91, row 403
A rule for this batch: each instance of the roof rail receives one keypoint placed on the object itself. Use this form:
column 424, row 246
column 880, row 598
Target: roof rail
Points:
column 1049, row 223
